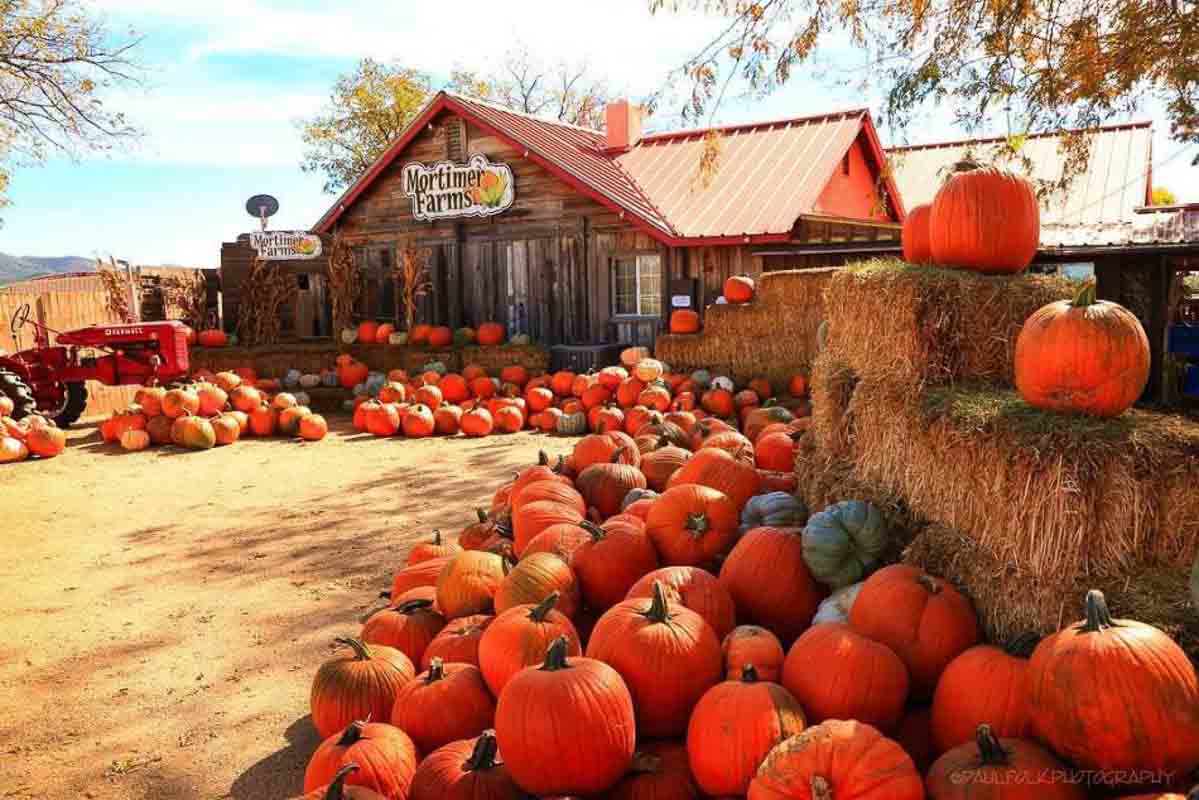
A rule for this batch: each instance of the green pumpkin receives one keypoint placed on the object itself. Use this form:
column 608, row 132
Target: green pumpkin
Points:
column 701, row 378
column 572, row 424
column 434, row 366
column 843, row 542
column 773, row 510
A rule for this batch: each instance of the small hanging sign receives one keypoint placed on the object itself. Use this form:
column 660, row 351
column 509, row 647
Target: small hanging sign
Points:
column 446, row 190
column 285, row 245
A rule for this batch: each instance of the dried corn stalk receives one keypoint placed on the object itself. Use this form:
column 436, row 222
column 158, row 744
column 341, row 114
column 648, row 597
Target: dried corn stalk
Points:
column 344, row 282
column 116, row 290
column 264, row 294
column 185, row 297
column 412, row 280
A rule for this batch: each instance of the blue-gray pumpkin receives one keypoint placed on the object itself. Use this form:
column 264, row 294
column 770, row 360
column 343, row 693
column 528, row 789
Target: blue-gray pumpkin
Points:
column 773, row 510
column 844, row 542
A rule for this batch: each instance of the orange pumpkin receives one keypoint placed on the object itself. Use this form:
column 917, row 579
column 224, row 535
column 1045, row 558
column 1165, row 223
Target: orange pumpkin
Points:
column 985, row 220
column 477, row 422
column 734, row 725
column 441, row 336
column 509, row 419
column 358, row 682
column 776, row 451
column 383, row 333
column 1087, row 356
column 408, row 626
column 798, row 385
column 443, row 704
column 719, row 402
column 490, row 334
column 752, row 645
column 418, row 422
column 927, row 622
column 419, row 334
column 337, row 789
column 659, row 772
column 628, row 391
column 959, row 707
column 313, row 427
column 915, row 236
column 535, row 577
column 367, row 330
column 1010, row 768
column 690, row 525
column 45, row 441
column 458, row 641
column 693, row 588
column 519, row 637
column 212, row 338
column 668, row 656
column 384, row 755
column 733, row 476
column 739, row 289
column 465, row 770
column 468, row 583
column 684, row 320
column 769, row 581
column 611, row 562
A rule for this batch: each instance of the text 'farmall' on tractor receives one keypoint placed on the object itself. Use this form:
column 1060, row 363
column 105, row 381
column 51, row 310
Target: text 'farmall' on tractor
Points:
column 50, row 380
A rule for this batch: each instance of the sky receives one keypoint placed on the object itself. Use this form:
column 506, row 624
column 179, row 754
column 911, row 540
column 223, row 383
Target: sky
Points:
column 227, row 81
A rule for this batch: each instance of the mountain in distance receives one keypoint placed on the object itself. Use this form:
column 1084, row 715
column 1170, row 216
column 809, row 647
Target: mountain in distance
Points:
column 19, row 268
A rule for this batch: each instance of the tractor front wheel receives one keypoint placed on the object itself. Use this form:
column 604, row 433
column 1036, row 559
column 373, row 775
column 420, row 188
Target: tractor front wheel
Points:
column 76, row 402
column 15, row 389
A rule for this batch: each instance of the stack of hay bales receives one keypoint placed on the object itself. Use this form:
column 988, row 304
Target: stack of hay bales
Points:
column 774, row 335
column 1023, row 509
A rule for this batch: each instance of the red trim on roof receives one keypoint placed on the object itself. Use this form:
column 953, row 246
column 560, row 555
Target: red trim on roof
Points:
column 749, row 126
column 1117, row 126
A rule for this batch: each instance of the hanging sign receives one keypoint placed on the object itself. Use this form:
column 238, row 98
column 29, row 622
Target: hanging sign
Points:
column 446, row 189
column 285, row 245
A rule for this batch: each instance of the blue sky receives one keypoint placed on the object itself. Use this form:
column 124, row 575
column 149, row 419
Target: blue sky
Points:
column 228, row 79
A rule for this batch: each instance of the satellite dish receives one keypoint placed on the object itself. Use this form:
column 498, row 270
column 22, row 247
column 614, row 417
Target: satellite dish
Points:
column 261, row 206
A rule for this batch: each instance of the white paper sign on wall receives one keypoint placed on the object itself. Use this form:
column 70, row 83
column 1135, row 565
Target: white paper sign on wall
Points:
column 447, row 189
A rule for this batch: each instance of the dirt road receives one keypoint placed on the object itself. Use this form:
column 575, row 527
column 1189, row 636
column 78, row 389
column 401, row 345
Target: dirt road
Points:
column 163, row 612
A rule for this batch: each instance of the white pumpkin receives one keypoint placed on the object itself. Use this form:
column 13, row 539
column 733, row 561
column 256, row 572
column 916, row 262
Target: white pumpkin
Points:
column 310, row 381
column 398, row 338
column 302, row 398
column 12, row 450
column 720, row 301
column 836, row 607
column 349, row 335
column 724, row 383
column 292, row 379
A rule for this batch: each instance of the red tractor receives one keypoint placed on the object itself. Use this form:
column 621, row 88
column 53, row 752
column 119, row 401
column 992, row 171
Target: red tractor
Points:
column 50, row 380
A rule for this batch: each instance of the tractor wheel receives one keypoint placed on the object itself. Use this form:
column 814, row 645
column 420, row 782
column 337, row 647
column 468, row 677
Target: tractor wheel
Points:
column 19, row 392
column 75, row 405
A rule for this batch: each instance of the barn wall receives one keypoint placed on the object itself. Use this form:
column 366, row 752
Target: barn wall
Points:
column 856, row 195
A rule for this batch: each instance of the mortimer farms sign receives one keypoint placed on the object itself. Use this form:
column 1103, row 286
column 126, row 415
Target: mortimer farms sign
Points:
column 285, row 245
column 445, row 190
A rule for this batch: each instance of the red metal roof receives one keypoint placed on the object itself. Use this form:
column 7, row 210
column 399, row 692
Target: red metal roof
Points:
column 770, row 174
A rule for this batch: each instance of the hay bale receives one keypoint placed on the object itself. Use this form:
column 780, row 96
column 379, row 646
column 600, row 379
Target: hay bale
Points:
column 898, row 323
column 532, row 357
column 269, row 361
column 832, row 391
column 774, row 336
column 1012, row 598
column 1057, row 494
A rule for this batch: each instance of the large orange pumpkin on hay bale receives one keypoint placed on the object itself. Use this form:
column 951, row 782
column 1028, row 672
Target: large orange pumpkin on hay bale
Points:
column 734, row 725
column 739, row 289
column 684, row 320
column 915, row 238
column 770, row 583
column 1115, row 694
column 360, row 681
column 1008, row 767
column 985, row 220
column 837, row 760
column 385, row 756
column 667, row 655
column 836, row 673
column 465, row 770
column 1087, row 356
column 959, row 707
column 925, row 620
column 490, row 334
column 566, row 727
column 519, row 637
column 445, row 703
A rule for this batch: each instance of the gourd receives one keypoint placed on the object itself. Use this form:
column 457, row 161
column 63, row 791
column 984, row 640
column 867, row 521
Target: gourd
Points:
column 836, row 607
column 843, row 542
column 773, row 510
column 435, row 366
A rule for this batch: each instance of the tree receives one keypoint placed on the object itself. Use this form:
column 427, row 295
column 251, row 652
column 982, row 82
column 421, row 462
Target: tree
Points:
column 1032, row 65
column 56, row 62
column 1163, row 196
column 367, row 110
column 563, row 92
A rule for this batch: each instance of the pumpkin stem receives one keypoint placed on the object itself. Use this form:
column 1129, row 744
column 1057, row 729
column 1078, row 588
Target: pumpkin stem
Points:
column 555, row 655
column 437, row 537
column 966, row 164
column 929, row 583
column 616, row 456
column 482, row 514
column 749, row 674
column 697, row 524
column 483, row 756
column 1098, row 617
column 1021, row 646
column 1086, row 296
column 362, row 651
column 542, row 609
column 560, row 467
column 663, row 441
column 385, row 595
column 597, row 533
column 989, row 749
column 658, row 611
column 351, row 734
column 820, row 789
column 543, row 460
column 412, row 606
column 436, row 671
column 337, row 785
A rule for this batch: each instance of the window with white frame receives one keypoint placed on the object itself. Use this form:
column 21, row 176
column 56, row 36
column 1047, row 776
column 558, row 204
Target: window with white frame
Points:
column 637, row 285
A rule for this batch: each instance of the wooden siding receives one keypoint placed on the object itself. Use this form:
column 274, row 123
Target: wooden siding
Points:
column 308, row 316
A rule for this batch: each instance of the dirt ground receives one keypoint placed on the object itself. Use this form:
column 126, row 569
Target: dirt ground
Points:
column 164, row 611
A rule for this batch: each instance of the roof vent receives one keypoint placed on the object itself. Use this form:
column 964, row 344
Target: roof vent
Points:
column 623, row 123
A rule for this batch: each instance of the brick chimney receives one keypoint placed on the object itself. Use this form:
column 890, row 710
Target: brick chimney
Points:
column 623, row 122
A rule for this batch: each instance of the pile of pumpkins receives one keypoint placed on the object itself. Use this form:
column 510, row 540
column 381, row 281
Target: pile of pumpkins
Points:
column 646, row 620
column 436, row 337
column 738, row 289
column 34, row 435
column 636, row 399
column 987, row 220
column 211, row 413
